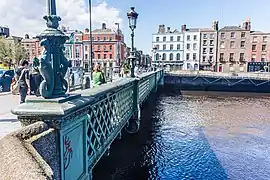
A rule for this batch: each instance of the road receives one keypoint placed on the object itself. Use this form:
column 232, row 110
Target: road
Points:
column 8, row 121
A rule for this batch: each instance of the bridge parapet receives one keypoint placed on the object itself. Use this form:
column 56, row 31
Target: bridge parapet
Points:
column 86, row 124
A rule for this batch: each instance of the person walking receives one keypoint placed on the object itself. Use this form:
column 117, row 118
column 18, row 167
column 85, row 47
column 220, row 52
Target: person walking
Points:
column 36, row 77
column 98, row 76
column 23, row 78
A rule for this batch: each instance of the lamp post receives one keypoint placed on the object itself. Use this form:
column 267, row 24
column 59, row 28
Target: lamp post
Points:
column 216, row 29
column 118, row 48
column 91, row 40
column 154, row 53
column 132, row 17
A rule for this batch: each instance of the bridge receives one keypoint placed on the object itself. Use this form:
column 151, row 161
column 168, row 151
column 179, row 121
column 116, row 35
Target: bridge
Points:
column 64, row 138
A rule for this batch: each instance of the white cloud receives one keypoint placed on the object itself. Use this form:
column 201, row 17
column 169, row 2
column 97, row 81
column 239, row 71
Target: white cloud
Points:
column 25, row 16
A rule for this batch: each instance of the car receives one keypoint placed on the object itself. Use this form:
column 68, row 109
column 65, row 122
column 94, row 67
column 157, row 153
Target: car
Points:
column 6, row 79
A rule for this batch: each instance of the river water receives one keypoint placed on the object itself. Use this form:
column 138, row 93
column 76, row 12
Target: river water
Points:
column 194, row 137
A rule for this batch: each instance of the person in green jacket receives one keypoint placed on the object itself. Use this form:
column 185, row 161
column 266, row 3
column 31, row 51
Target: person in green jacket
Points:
column 98, row 76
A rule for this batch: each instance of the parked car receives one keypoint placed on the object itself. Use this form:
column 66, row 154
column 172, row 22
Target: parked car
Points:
column 6, row 79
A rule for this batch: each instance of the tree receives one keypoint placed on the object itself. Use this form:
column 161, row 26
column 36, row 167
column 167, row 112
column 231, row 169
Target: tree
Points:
column 11, row 53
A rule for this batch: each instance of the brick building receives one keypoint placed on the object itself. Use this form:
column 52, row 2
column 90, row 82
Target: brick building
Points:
column 233, row 42
column 32, row 47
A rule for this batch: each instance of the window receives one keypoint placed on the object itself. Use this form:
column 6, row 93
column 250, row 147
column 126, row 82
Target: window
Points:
column 188, row 66
column 212, row 36
column 263, row 59
column 204, row 51
column 232, row 34
column 104, row 48
column 242, row 44
column 163, row 56
column 104, row 55
column 104, row 38
column 164, row 46
column 98, row 56
column 178, row 38
column 205, row 42
column 231, row 56
column 204, row 36
column 204, row 58
column 171, row 38
column 86, row 56
column 110, row 38
column 85, row 48
column 211, row 42
column 195, row 46
column 194, row 56
column 211, row 58
column 221, row 56
column 178, row 56
column 187, row 56
column 264, row 38
column 110, row 47
column 264, row 47
column 222, row 35
column 77, row 55
column 253, row 57
column 171, row 46
column 188, row 37
column 157, row 39
column 164, row 38
column 243, row 34
column 171, row 56
column 110, row 56
column 242, row 56
column 178, row 46
column 195, row 37
column 157, row 56
column 253, row 47
column 98, row 47
column 98, row 38
column 211, row 50
column 255, row 39
column 232, row 44
column 222, row 44
column 188, row 46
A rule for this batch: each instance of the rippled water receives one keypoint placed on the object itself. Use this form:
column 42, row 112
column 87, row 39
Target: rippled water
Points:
column 194, row 137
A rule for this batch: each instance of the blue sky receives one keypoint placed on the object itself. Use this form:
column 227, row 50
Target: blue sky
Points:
column 194, row 13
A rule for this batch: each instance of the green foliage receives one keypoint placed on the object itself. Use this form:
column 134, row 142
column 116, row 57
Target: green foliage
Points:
column 11, row 53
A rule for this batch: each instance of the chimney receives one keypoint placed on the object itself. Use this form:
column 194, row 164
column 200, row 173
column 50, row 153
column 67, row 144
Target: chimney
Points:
column 184, row 28
column 86, row 30
column 161, row 29
column 247, row 25
column 103, row 25
column 26, row 36
column 215, row 25
column 168, row 29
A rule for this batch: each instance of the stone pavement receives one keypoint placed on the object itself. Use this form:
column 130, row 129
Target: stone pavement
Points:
column 8, row 121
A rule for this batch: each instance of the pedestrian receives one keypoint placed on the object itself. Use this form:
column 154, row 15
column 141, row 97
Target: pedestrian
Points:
column 98, row 76
column 36, row 77
column 23, row 78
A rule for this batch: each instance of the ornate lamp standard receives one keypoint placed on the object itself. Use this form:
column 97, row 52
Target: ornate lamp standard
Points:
column 132, row 17
column 53, row 63
column 118, row 48
column 154, row 54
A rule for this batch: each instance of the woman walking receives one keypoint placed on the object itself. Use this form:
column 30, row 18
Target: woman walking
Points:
column 22, row 76
column 98, row 76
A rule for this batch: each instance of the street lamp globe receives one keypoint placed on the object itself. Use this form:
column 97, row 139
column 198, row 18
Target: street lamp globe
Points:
column 132, row 17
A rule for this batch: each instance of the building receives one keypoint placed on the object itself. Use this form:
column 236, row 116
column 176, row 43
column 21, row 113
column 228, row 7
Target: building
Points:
column 169, row 48
column 4, row 31
column 233, row 42
column 192, row 38
column 208, row 47
column 32, row 47
column 259, row 49
column 107, row 46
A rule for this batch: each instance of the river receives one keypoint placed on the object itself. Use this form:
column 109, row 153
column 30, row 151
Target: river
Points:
column 194, row 137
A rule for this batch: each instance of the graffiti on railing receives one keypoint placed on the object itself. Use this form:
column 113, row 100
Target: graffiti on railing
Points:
column 68, row 152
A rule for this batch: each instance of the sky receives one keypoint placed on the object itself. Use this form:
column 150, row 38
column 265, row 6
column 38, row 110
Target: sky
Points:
column 25, row 16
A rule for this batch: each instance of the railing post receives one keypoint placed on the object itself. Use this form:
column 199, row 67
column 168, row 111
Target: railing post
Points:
column 134, row 122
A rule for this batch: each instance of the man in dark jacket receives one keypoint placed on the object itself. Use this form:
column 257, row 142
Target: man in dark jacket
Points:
column 22, row 76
